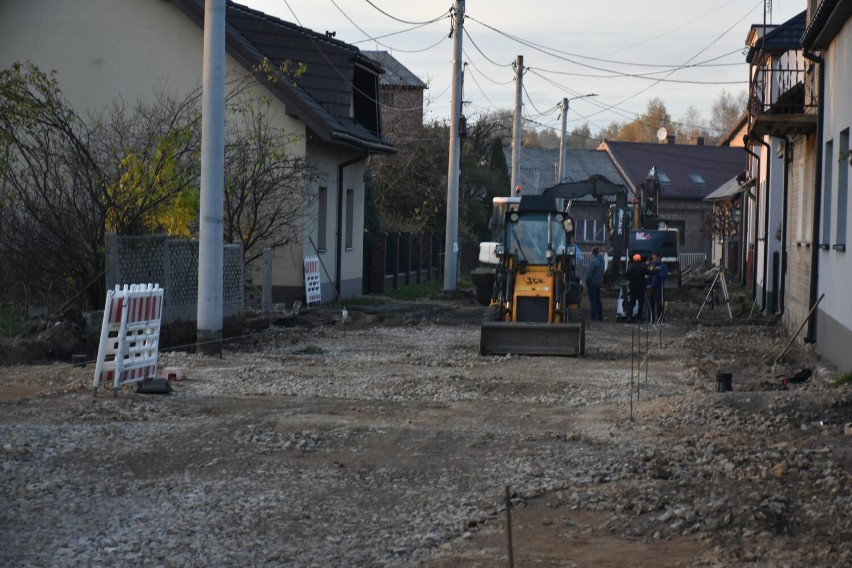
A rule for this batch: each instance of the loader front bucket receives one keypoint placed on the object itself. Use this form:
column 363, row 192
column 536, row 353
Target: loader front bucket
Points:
column 526, row 338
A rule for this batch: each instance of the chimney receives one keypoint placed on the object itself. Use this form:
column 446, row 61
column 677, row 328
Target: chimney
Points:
column 670, row 139
column 699, row 141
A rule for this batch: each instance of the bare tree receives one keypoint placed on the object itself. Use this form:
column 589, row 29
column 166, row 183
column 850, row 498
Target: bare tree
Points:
column 66, row 180
column 267, row 185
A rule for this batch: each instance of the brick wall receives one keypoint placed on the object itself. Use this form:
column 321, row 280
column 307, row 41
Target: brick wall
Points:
column 399, row 122
column 173, row 264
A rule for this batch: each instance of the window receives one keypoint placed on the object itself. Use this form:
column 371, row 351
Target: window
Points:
column 322, row 218
column 664, row 178
column 590, row 231
column 843, row 189
column 698, row 180
column 827, row 186
column 350, row 216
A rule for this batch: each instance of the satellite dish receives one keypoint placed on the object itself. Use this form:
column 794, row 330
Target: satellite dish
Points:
column 662, row 134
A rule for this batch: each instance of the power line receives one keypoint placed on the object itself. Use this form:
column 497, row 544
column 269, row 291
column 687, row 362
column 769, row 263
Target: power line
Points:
column 406, row 21
column 369, row 37
column 483, row 75
column 529, row 98
column 482, row 53
column 481, row 90
column 552, row 52
column 398, row 32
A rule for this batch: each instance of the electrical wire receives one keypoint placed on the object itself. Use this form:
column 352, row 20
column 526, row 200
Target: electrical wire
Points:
column 483, row 75
column 406, row 21
column 663, row 34
column 481, row 90
column 532, row 104
column 482, row 53
column 391, row 34
column 351, row 84
column 613, row 73
column 369, row 37
column 552, row 50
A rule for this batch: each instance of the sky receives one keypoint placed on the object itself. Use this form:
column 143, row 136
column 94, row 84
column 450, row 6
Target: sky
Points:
column 617, row 49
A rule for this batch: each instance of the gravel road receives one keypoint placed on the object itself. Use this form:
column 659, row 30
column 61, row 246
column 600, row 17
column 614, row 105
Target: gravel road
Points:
column 390, row 442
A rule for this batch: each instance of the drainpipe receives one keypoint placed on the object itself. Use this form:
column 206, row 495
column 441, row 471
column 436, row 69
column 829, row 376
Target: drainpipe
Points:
column 754, row 229
column 765, row 220
column 810, row 337
column 782, row 288
column 339, row 256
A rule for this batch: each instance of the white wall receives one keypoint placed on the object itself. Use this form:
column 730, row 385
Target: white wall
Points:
column 835, row 267
column 106, row 49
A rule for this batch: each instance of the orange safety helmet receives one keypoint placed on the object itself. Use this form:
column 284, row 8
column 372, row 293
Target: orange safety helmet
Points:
column 637, row 258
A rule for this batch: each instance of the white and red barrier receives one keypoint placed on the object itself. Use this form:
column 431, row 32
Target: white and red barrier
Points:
column 313, row 289
column 130, row 336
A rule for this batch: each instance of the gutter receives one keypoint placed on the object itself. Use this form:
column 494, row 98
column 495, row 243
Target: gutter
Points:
column 810, row 337
column 338, row 262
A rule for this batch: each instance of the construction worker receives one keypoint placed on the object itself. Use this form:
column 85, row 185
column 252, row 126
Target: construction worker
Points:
column 594, row 281
column 656, row 285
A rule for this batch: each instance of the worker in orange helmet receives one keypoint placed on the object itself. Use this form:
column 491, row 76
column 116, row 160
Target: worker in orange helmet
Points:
column 637, row 274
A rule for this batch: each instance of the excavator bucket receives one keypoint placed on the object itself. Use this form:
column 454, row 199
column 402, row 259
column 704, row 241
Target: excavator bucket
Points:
column 532, row 338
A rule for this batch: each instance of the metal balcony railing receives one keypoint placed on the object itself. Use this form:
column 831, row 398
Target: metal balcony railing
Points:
column 775, row 90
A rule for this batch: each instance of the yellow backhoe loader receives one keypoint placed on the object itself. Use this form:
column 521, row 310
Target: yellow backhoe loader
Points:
column 535, row 306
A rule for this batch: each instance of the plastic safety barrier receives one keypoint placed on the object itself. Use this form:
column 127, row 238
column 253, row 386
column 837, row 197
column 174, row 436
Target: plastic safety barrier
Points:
column 130, row 336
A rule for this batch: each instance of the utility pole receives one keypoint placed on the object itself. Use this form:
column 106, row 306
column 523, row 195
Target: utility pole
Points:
column 517, row 125
column 210, row 257
column 451, row 245
column 563, row 146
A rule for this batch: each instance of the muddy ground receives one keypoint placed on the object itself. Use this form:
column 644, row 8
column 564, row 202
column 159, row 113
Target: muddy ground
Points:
column 389, row 441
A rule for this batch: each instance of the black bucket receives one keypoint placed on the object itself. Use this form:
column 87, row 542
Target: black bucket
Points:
column 724, row 382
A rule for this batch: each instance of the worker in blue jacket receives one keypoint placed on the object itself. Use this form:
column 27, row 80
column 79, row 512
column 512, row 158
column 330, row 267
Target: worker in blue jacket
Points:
column 594, row 281
column 656, row 284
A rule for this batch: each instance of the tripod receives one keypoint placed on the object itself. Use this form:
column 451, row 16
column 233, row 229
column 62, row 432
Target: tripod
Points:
column 720, row 277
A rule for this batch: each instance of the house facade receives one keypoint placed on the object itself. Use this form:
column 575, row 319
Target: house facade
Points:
column 782, row 116
column 728, row 201
column 106, row 50
column 687, row 172
column 800, row 115
column 828, row 38
column 539, row 169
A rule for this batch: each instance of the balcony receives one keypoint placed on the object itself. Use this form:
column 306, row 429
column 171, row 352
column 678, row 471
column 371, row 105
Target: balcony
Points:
column 782, row 101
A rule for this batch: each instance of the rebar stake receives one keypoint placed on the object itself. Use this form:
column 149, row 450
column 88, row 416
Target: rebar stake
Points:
column 509, row 526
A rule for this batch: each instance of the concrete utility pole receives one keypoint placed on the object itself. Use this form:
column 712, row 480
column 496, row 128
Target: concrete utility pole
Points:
column 517, row 125
column 210, row 261
column 451, row 246
column 563, row 147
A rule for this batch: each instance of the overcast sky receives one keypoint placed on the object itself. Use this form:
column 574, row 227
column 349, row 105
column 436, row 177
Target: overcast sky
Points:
column 570, row 48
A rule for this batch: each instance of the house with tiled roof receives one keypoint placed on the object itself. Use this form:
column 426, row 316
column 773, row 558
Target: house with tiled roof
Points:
column 800, row 115
column 779, row 104
column 687, row 172
column 401, row 96
column 539, row 169
column 104, row 51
